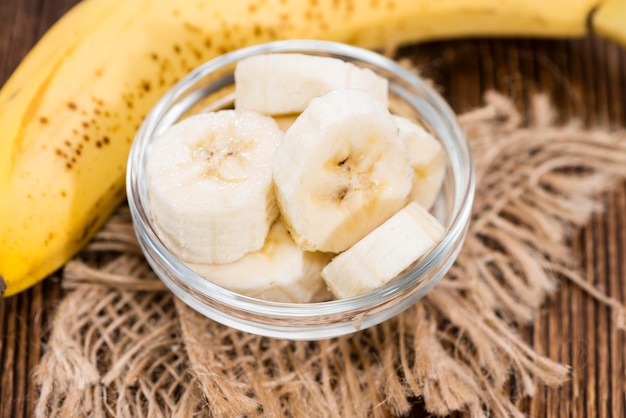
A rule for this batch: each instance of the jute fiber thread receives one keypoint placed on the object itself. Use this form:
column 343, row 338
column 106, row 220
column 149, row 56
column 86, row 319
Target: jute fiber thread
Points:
column 121, row 345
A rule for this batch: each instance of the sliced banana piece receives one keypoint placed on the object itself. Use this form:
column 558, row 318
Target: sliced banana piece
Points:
column 209, row 184
column 340, row 171
column 384, row 253
column 279, row 272
column 275, row 84
column 428, row 159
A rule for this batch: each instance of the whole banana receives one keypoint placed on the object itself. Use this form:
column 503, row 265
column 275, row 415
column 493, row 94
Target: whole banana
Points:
column 69, row 112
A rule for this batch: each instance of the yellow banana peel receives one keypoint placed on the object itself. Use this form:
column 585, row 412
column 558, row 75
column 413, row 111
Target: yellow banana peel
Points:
column 609, row 20
column 69, row 112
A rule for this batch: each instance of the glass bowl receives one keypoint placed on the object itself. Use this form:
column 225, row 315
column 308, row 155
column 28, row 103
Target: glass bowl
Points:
column 210, row 86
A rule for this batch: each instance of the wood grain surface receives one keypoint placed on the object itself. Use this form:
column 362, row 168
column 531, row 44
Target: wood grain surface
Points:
column 585, row 78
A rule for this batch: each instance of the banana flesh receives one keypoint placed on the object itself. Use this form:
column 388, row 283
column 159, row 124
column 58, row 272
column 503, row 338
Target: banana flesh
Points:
column 210, row 187
column 344, row 166
column 279, row 272
column 340, row 171
column 278, row 84
column 71, row 108
column 427, row 158
column 383, row 253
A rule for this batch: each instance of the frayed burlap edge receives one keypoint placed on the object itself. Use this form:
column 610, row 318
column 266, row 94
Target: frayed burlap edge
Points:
column 122, row 346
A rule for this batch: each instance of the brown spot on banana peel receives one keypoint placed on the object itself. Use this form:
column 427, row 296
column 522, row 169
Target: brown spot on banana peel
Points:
column 146, row 86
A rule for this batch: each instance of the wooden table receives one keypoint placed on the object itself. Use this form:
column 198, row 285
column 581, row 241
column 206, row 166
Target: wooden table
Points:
column 585, row 79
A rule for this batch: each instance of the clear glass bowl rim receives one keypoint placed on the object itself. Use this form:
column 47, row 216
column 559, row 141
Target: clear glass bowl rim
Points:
column 455, row 233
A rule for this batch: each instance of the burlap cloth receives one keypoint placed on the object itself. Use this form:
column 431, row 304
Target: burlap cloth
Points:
column 121, row 345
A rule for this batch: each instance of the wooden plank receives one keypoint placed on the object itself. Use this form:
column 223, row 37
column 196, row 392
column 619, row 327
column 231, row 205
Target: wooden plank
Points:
column 617, row 249
column 35, row 337
column 7, row 380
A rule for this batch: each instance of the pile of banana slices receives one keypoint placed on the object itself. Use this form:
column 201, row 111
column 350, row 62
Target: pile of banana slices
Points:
column 309, row 190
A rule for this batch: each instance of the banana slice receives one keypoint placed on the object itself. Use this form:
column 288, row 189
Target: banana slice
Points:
column 340, row 171
column 384, row 253
column 209, row 184
column 279, row 272
column 275, row 84
column 428, row 159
